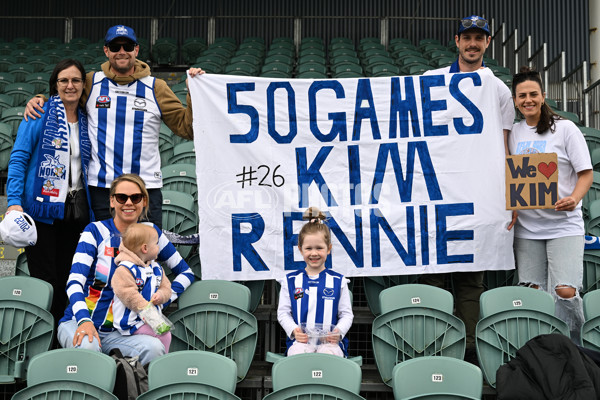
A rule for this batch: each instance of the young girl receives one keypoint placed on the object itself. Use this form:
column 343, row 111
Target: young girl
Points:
column 139, row 281
column 315, row 295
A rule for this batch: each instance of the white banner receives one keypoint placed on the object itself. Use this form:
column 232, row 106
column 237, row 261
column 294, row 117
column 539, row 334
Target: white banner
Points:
column 409, row 170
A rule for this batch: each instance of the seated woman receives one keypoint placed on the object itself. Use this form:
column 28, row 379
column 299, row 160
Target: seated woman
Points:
column 88, row 320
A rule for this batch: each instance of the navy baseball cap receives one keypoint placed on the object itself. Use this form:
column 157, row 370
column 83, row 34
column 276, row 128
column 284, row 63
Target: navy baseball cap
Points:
column 120, row 31
column 473, row 22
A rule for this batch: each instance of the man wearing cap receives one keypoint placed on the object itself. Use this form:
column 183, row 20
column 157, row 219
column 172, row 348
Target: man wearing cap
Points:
column 125, row 106
column 472, row 39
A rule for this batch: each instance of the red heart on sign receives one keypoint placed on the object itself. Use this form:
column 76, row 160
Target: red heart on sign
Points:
column 547, row 169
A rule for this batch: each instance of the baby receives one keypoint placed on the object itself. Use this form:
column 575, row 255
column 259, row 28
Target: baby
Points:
column 139, row 281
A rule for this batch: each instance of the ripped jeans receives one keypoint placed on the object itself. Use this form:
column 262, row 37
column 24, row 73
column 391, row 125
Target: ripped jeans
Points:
column 551, row 264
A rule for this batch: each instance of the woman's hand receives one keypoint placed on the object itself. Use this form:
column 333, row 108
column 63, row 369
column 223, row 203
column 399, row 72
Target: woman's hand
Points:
column 15, row 207
column 300, row 336
column 566, row 204
column 513, row 221
column 195, row 71
column 334, row 336
column 85, row 329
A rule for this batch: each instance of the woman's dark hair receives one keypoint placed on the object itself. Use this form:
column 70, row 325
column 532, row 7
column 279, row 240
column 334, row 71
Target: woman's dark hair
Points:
column 60, row 66
column 547, row 116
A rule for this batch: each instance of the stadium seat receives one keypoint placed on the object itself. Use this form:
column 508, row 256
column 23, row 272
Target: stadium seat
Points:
column 315, row 376
column 164, row 51
column 192, row 48
column 80, row 43
column 436, row 378
column 70, row 374
column 6, row 101
column 215, row 325
column 39, row 62
column 184, row 153
column 39, row 80
column 247, row 58
column 50, row 42
column 179, row 216
column 416, row 320
column 26, row 325
column 7, row 48
column 593, row 220
column 590, row 330
column 180, row 177
column 20, row 91
column 312, row 67
column 6, row 145
column 13, row 116
column 374, row 285
column 277, row 66
column 217, row 292
column 191, row 374
column 311, row 75
column 22, row 268
column 510, row 316
column 347, row 67
column 20, row 71
column 242, row 68
column 384, row 70
column 568, row 115
column 343, row 58
column 20, row 56
column 276, row 74
column 279, row 58
column 494, row 279
column 596, row 159
column 591, row 271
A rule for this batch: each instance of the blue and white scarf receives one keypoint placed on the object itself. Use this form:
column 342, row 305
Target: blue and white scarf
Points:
column 51, row 183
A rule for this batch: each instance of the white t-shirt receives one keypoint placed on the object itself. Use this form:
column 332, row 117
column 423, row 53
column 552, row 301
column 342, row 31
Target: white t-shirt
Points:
column 507, row 106
column 568, row 143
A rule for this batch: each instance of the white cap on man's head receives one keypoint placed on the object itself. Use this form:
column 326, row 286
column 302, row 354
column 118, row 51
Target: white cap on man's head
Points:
column 18, row 229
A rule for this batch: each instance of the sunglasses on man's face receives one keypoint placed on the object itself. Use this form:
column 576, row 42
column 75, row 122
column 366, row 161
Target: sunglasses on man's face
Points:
column 122, row 198
column 116, row 47
column 468, row 23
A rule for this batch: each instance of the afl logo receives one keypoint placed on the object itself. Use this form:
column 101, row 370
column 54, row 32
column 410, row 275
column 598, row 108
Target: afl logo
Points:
column 103, row 102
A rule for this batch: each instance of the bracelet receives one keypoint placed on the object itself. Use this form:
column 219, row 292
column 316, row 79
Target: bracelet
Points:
column 82, row 321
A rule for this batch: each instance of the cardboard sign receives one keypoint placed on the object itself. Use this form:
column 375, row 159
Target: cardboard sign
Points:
column 531, row 181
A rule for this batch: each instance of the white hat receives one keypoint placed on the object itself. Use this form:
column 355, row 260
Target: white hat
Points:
column 18, row 229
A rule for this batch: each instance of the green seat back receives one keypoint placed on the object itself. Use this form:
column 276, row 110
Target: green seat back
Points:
column 179, row 216
column 216, row 292
column 590, row 330
column 275, row 74
column 436, row 378
column 184, row 153
column 192, row 366
column 26, row 325
column 495, row 279
column 13, row 117
column 311, row 75
column 216, row 328
column 26, row 289
column 415, row 295
column 591, row 271
column 510, row 298
column 64, row 390
column 317, row 370
column 510, row 316
column 196, row 391
column 419, row 324
column 373, row 285
column 20, row 91
column 181, row 178
column 5, row 79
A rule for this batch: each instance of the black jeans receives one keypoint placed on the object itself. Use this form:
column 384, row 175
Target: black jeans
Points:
column 100, row 199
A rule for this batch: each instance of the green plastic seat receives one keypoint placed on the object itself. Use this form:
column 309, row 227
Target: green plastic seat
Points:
column 342, row 52
column 246, row 58
column 593, row 221
column 323, row 376
column 311, row 75
column 289, row 52
column 20, row 71
column 179, row 216
column 344, row 58
column 436, row 378
column 347, row 74
column 590, row 330
column 384, row 70
column 13, row 117
column 164, row 51
column 191, row 374
column 192, row 48
column 184, row 153
column 348, row 67
column 373, row 285
column 39, row 80
column 70, row 374
column 6, row 145
column 279, row 58
column 312, row 58
column 26, row 325
column 568, row 115
column 6, row 101
column 22, row 268
column 180, row 177
column 242, row 68
column 312, row 67
column 495, row 279
column 276, row 74
column 591, row 271
column 416, row 321
column 216, row 292
column 218, row 328
column 277, row 66
column 510, row 316
column 20, row 91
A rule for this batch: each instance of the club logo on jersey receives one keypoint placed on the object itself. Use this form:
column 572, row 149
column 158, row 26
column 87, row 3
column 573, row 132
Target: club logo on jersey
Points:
column 139, row 104
column 139, row 282
column 298, row 293
column 103, row 101
column 328, row 292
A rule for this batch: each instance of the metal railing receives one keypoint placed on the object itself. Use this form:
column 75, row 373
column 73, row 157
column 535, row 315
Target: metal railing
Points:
column 592, row 101
column 511, row 48
column 523, row 54
column 539, row 61
column 498, row 50
column 575, row 83
column 556, row 72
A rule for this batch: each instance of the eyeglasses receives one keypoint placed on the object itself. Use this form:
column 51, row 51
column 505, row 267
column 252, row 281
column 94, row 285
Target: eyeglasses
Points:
column 468, row 23
column 65, row 81
column 116, row 47
column 122, row 198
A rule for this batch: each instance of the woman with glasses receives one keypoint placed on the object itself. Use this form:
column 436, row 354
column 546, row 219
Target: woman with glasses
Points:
column 47, row 179
column 549, row 242
column 89, row 321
